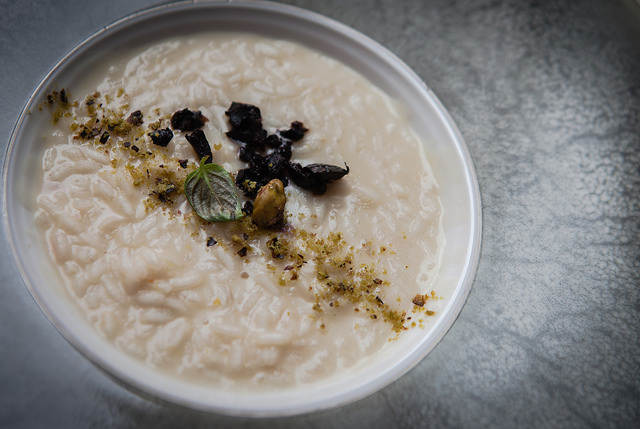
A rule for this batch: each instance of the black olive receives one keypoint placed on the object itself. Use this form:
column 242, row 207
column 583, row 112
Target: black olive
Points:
column 295, row 133
column 328, row 173
column 186, row 120
column 246, row 125
column 200, row 144
column 161, row 137
column 306, row 179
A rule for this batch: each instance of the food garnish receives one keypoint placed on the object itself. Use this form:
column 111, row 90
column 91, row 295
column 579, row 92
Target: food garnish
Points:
column 212, row 194
column 186, row 120
column 200, row 144
column 246, row 124
column 161, row 137
column 273, row 163
column 315, row 177
column 135, row 118
column 268, row 207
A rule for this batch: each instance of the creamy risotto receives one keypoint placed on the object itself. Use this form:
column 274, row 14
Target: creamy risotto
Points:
column 229, row 303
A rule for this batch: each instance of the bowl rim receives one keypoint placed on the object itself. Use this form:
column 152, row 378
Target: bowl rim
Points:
column 437, row 332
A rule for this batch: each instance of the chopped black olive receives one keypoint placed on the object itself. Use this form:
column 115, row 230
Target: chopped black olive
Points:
column 135, row 118
column 126, row 144
column 250, row 181
column 246, row 129
column 200, row 144
column 63, row 96
column 186, row 120
column 249, row 156
column 211, row 242
column 104, row 137
column 273, row 140
column 285, row 150
column 246, row 125
column 261, row 170
column 306, row 179
column 244, row 115
column 276, row 165
column 183, row 163
column 328, row 173
column 242, row 252
column 254, row 138
column 135, row 148
column 295, row 133
column 161, row 137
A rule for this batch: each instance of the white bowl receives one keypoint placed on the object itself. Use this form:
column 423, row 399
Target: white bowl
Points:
column 450, row 159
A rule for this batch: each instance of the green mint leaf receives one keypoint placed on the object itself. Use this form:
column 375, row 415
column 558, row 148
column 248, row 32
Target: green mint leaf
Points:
column 212, row 193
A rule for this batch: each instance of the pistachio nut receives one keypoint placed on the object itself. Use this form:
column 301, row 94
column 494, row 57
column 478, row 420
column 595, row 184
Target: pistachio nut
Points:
column 268, row 207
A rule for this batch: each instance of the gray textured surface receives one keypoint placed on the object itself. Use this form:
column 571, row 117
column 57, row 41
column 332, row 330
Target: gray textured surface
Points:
column 547, row 95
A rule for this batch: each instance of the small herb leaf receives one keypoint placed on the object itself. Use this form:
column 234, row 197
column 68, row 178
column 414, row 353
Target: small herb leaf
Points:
column 212, row 194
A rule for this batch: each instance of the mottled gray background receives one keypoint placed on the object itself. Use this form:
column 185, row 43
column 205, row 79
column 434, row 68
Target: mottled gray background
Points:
column 547, row 96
